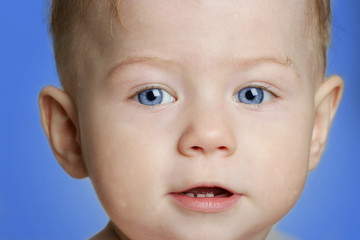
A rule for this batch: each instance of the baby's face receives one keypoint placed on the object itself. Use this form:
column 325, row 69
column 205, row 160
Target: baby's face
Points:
column 189, row 94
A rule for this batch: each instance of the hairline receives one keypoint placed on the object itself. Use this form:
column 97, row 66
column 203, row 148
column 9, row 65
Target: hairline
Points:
column 70, row 65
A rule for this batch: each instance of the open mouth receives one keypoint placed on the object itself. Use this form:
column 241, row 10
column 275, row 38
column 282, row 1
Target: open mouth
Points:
column 207, row 192
column 206, row 199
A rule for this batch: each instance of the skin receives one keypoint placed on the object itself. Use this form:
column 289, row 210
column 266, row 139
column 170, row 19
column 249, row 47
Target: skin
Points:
column 202, row 53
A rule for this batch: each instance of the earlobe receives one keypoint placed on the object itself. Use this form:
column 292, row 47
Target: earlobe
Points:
column 59, row 124
column 327, row 100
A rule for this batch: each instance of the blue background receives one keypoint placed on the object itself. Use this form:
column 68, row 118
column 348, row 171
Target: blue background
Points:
column 39, row 201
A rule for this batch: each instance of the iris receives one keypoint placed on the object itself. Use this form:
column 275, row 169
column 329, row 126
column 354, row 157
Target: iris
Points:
column 154, row 96
column 251, row 95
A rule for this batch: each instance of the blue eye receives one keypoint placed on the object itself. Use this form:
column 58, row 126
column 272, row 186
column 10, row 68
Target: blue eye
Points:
column 154, row 96
column 253, row 95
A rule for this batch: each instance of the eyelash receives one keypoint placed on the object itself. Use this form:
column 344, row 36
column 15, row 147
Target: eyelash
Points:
column 267, row 92
column 263, row 87
column 136, row 95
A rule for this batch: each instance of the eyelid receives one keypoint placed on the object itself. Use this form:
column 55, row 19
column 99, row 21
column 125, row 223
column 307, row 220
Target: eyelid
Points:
column 134, row 97
column 143, row 87
column 264, row 86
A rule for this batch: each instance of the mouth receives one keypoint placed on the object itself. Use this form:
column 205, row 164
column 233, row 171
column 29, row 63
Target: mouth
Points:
column 206, row 199
column 207, row 192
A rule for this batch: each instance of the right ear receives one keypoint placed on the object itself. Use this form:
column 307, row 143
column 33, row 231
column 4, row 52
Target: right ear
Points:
column 58, row 119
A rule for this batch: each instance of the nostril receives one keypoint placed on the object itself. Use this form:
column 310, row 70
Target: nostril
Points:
column 195, row 148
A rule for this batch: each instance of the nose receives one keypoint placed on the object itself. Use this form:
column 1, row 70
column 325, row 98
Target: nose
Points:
column 207, row 133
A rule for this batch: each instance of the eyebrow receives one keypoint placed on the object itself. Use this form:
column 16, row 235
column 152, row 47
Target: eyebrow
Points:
column 284, row 61
column 280, row 60
column 137, row 60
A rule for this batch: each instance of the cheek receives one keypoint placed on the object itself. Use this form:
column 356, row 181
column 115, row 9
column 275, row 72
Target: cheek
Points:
column 275, row 155
column 126, row 156
column 123, row 162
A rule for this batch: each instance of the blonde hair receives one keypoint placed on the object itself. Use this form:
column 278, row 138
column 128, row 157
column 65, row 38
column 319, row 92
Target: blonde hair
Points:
column 321, row 14
column 67, row 17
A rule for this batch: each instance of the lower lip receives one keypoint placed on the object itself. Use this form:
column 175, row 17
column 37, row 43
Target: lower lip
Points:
column 207, row 204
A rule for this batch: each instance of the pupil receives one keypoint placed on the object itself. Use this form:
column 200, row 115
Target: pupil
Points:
column 151, row 96
column 249, row 95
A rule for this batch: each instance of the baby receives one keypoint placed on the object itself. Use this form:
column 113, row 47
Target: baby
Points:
column 194, row 119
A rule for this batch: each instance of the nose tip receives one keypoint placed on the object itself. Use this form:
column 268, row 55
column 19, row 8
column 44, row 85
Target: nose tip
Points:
column 207, row 137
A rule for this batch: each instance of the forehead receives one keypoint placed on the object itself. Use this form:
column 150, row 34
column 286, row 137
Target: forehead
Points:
column 206, row 33
column 213, row 22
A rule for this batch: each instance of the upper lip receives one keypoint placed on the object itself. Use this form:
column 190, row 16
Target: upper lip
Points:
column 206, row 185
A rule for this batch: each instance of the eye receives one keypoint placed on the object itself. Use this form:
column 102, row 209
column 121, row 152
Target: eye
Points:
column 154, row 96
column 253, row 95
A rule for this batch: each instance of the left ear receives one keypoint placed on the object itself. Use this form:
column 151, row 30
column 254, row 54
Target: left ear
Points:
column 327, row 100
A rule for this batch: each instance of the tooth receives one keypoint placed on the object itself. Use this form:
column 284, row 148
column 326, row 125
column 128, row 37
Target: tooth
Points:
column 190, row 195
column 210, row 195
column 200, row 195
